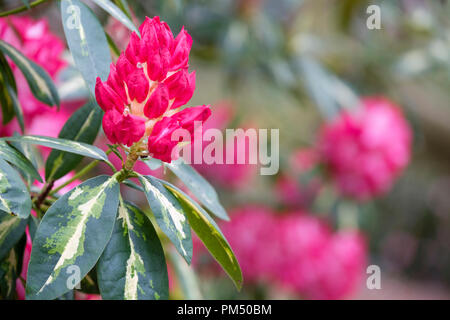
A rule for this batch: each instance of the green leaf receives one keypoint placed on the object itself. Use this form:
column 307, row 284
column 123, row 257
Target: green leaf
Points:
column 186, row 277
column 14, row 197
column 5, row 68
column 63, row 145
column 87, row 41
column 72, row 235
column 153, row 163
column 29, row 151
column 16, row 106
column 199, row 186
column 209, row 233
column 169, row 215
column 6, row 101
column 17, row 159
column 113, row 10
column 82, row 126
column 39, row 81
column 8, row 274
column 133, row 266
column 12, row 229
column 133, row 185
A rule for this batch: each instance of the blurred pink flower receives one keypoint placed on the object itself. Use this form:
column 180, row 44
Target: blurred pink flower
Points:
column 48, row 123
column 367, row 149
column 315, row 263
column 232, row 176
column 34, row 39
column 250, row 234
column 297, row 186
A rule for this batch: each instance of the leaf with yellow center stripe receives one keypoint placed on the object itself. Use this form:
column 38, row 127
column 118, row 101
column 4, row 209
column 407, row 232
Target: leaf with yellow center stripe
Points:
column 169, row 215
column 71, row 237
column 209, row 233
column 133, row 266
column 14, row 197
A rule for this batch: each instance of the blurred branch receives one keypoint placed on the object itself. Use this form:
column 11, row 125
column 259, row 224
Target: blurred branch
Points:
column 22, row 8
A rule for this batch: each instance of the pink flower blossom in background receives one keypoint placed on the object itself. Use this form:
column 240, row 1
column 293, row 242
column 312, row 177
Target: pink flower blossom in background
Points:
column 230, row 176
column 147, row 87
column 297, row 187
column 367, row 149
column 316, row 263
column 250, row 234
column 48, row 123
column 34, row 39
column 296, row 251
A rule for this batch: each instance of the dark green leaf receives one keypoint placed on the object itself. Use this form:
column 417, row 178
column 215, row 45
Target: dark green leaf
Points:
column 133, row 266
column 16, row 106
column 82, row 126
column 39, row 81
column 71, row 237
column 63, row 145
column 12, row 229
column 17, row 159
column 14, row 197
column 8, row 274
column 6, row 101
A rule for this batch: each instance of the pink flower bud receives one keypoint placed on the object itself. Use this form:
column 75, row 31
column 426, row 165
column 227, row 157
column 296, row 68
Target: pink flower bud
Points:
column 181, row 87
column 160, row 143
column 180, row 52
column 125, row 129
column 190, row 117
column 158, row 102
column 367, row 149
column 106, row 97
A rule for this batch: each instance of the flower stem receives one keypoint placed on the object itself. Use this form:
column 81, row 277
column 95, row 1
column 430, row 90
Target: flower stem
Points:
column 82, row 172
column 22, row 8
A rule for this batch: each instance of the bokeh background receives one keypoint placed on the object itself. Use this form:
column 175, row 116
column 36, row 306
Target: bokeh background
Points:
column 295, row 66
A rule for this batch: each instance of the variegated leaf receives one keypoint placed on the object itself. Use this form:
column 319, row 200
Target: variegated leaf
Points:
column 80, row 148
column 133, row 266
column 14, row 197
column 8, row 275
column 71, row 237
column 169, row 215
column 82, row 126
column 87, row 41
column 12, row 229
column 16, row 158
column 39, row 81
column 114, row 11
column 209, row 233
column 199, row 186
column 16, row 106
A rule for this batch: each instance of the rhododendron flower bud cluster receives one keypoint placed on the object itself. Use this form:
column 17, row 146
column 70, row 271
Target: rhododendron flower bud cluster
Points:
column 367, row 148
column 146, row 88
column 34, row 39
